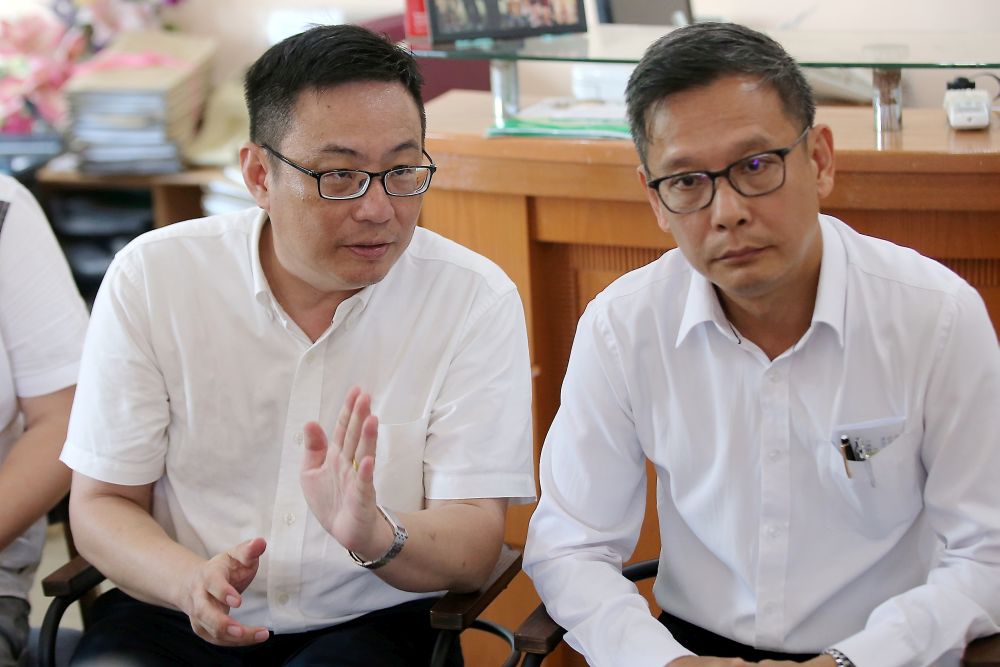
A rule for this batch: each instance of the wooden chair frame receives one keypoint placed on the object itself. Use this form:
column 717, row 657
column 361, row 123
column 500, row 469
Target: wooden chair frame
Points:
column 452, row 614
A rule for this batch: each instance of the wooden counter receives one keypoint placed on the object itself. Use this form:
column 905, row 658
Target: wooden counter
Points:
column 565, row 217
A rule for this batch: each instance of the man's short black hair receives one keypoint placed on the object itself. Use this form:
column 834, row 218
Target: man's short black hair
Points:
column 318, row 59
column 701, row 53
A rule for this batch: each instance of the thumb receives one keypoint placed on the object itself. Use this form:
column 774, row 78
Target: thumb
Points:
column 315, row 446
column 247, row 553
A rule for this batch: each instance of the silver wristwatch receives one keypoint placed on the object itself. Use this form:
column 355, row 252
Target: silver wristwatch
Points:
column 838, row 657
column 399, row 536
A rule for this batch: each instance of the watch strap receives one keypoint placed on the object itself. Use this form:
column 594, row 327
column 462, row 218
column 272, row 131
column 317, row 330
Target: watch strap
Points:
column 399, row 536
column 839, row 658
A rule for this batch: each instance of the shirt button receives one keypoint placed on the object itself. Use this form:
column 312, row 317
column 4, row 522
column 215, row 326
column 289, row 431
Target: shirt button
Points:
column 774, row 377
column 774, row 454
column 289, row 518
column 773, row 532
column 283, row 599
column 299, row 438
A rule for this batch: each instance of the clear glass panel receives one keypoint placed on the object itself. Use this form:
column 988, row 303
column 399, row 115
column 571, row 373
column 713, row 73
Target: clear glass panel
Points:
column 626, row 43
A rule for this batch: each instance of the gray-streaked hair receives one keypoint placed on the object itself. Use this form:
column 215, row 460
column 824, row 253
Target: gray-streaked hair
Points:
column 701, row 53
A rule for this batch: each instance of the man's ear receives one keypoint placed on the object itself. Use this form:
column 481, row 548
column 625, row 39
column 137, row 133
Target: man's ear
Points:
column 253, row 164
column 821, row 156
column 653, row 198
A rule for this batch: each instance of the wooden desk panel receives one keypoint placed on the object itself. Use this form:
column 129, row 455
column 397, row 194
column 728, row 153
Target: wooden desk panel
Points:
column 176, row 197
column 566, row 217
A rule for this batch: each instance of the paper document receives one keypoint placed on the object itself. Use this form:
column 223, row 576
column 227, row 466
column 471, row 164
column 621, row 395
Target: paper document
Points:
column 568, row 117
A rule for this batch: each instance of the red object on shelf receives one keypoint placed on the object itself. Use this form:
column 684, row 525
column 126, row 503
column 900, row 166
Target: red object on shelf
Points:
column 416, row 18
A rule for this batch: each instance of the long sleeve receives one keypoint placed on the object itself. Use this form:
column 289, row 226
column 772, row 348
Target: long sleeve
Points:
column 932, row 623
column 587, row 523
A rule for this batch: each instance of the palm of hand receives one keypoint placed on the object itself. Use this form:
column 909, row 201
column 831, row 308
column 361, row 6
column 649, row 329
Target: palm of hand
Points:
column 337, row 477
column 334, row 496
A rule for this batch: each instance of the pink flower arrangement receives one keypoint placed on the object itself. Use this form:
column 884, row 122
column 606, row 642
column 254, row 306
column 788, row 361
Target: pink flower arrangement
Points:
column 37, row 55
column 106, row 18
column 40, row 51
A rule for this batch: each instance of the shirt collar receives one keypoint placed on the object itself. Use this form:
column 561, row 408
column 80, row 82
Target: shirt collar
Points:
column 355, row 304
column 702, row 303
column 261, row 290
column 831, row 293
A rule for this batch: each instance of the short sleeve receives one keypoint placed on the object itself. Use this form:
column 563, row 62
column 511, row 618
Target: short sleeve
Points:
column 43, row 320
column 118, row 427
column 479, row 438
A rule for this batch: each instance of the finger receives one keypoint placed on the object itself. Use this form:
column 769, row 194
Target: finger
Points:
column 227, row 631
column 362, row 408
column 242, row 635
column 222, row 592
column 315, row 447
column 211, row 621
column 365, row 454
column 340, row 430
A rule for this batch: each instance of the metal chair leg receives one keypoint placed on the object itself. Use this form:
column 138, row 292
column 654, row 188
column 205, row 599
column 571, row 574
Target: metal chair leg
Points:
column 50, row 628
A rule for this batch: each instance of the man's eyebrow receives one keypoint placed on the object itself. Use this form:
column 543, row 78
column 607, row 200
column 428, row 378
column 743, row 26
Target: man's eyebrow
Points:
column 749, row 146
column 347, row 151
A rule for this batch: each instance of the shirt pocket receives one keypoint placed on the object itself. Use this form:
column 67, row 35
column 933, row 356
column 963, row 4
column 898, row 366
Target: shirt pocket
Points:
column 883, row 493
column 399, row 465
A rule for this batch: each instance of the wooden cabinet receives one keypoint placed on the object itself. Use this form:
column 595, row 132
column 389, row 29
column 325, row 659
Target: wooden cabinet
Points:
column 565, row 217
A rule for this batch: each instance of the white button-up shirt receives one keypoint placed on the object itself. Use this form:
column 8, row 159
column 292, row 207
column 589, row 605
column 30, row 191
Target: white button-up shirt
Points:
column 765, row 539
column 42, row 325
column 195, row 378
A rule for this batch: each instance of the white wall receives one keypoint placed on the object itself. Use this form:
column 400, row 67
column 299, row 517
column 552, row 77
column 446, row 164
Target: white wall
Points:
column 243, row 26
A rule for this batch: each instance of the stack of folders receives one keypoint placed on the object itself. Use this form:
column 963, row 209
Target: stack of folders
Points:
column 136, row 109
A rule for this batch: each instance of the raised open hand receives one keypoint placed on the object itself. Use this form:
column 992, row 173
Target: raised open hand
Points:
column 337, row 477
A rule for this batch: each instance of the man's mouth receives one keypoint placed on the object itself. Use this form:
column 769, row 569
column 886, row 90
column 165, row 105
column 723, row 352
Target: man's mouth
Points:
column 369, row 250
column 740, row 254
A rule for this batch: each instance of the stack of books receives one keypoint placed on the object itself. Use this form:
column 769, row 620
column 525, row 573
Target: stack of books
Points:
column 139, row 103
column 226, row 194
column 21, row 154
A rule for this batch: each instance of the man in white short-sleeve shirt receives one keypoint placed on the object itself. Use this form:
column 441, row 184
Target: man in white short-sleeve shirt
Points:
column 298, row 424
column 820, row 407
column 42, row 324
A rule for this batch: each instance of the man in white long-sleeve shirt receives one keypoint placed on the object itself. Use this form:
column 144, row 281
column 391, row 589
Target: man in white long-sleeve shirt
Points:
column 821, row 408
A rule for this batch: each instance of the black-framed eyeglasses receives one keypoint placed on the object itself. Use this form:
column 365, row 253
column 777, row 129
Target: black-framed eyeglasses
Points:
column 339, row 184
column 752, row 176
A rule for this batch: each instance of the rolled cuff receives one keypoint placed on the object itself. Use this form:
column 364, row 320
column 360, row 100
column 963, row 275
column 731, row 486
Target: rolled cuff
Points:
column 518, row 488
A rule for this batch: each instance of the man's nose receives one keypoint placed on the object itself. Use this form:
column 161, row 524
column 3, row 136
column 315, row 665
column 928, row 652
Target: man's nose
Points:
column 729, row 208
column 375, row 205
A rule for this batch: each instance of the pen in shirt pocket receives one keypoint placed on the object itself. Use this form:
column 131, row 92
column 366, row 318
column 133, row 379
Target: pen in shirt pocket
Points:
column 854, row 450
column 858, row 442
